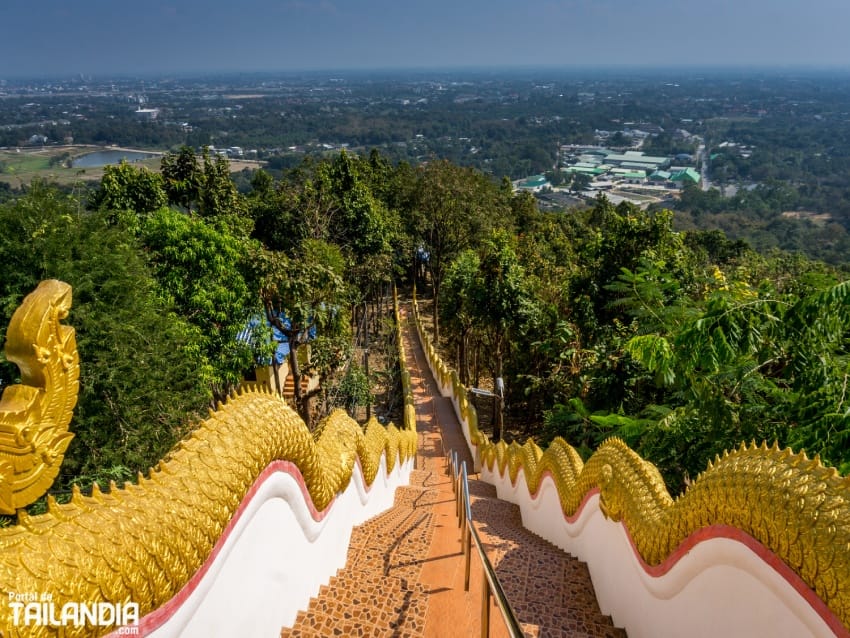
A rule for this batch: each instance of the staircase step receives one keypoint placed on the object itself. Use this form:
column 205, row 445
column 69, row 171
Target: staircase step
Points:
column 377, row 593
column 548, row 588
column 358, row 606
column 398, row 552
column 416, row 497
column 481, row 489
column 426, row 478
column 289, row 385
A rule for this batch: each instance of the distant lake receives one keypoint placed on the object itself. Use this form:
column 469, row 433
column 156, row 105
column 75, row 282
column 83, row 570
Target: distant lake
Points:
column 105, row 158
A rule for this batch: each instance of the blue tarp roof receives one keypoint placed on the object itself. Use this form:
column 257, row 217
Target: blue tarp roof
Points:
column 250, row 333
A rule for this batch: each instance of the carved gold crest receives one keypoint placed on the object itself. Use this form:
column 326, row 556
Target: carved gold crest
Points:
column 34, row 414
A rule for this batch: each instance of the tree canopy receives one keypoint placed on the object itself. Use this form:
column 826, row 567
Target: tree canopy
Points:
column 602, row 321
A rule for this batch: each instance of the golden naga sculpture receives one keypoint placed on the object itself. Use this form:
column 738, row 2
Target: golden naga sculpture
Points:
column 142, row 543
column 794, row 506
column 34, row 415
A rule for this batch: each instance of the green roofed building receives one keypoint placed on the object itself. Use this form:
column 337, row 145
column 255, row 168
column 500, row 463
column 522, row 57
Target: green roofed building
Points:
column 586, row 170
column 533, row 183
column 686, row 175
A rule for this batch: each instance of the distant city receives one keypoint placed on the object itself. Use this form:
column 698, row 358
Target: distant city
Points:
column 748, row 140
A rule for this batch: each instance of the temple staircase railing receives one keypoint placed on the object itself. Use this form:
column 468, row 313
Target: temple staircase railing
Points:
column 758, row 545
column 230, row 535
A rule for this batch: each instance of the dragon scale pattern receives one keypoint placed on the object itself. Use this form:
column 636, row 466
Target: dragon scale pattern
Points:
column 142, row 543
column 794, row 506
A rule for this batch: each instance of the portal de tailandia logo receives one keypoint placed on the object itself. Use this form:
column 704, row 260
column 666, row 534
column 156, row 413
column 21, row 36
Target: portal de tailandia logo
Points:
column 33, row 609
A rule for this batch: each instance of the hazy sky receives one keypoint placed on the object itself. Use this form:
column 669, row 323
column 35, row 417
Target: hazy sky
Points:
column 48, row 37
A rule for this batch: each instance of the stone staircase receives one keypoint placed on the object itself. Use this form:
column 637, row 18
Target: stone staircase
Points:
column 307, row 384
column 380, row 593
column 404, row 571
column 549, row 590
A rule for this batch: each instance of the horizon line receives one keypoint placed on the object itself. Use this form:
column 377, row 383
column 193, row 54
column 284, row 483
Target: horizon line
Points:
column 457, row 69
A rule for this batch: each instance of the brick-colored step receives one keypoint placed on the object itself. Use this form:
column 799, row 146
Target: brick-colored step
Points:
column 549, row 590
column 416, row 497
column 289, row 385
column 383, row 590
column 352, row 606
column 423, row 478
column 378, row 593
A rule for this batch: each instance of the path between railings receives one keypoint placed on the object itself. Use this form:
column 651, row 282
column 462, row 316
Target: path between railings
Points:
column 450, row 608
column 405, row 570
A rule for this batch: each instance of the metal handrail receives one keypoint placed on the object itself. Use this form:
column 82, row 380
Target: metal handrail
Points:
column 490, row 583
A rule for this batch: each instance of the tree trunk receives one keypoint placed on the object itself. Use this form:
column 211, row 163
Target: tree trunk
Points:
column 366, row 366
column 477, row 363
column 436, row 320
column 498, row 426
column 463, row 357
column 302, row 402
column 276, row 373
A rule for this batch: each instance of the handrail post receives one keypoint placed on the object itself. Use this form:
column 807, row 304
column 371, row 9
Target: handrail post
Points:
column 467, row 555
column 466, row 533
column 458, row 490
column 485, row 606
column 463, row 503
column 459, row 503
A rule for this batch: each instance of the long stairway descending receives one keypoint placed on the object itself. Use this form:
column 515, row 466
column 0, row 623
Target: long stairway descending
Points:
column 404, row 571
column 378, row 593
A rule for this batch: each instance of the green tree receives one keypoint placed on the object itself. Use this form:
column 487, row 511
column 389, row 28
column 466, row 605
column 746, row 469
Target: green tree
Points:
column 580, row 182
column 205, row 272
column 502, row 296
column 310, row 292
column 455, row 208
column 141, row 381
column 129, row 189
column 749, row 364
column 183, row 178
column 218, row 200
column 460, row 297
column 332, row 201
column 274, row 209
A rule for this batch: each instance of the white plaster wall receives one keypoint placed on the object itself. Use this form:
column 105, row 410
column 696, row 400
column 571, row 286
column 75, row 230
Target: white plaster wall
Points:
column 277, row 556
column 719, row 588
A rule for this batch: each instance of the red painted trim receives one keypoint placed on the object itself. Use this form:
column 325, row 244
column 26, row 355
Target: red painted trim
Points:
column 155, row 619
column 706, row 534
column 756, row 547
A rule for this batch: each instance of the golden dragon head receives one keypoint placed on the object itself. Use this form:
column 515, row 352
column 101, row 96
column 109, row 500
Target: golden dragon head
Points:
column 34, row 414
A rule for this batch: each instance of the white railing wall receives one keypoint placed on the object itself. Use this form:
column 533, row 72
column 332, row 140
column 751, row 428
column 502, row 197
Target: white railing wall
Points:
column 723, row 584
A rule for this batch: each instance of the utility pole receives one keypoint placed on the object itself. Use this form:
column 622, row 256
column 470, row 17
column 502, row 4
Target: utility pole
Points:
column 366, row 362
column 499, row 405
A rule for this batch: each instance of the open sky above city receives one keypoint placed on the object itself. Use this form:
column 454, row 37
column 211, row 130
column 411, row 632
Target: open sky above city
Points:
column 49, row 37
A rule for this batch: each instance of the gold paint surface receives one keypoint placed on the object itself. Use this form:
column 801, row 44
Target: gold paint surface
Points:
column 142, row 543
column 34, row 414
column 794, row 506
